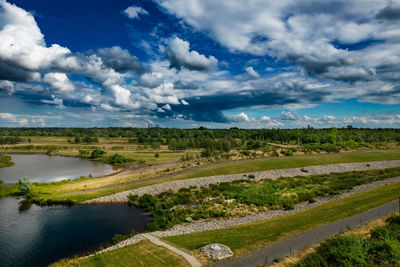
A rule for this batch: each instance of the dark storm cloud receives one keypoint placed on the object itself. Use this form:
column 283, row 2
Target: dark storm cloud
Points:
column 120, row 60
column 184, row 85
column 209, row 108
column 13, row 72
column 390, row 12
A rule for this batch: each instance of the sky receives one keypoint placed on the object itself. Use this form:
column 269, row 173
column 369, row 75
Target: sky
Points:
column 192, row 63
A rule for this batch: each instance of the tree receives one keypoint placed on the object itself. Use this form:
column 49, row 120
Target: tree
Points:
column 97, row 153
column 25, row 186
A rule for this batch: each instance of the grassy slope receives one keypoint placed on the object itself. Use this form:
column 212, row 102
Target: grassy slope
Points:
column 245, row 238
column 289, row 162
column 143, row 254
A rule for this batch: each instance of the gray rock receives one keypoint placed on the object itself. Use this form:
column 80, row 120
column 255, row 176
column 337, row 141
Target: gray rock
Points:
column 216, row 251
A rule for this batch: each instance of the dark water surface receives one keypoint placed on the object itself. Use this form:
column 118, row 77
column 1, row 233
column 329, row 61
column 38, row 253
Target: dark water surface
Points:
column 36, row 236
column 44, row 168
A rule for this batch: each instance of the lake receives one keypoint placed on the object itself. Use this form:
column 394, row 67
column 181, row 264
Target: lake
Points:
column 31, row 235
column 44, row 168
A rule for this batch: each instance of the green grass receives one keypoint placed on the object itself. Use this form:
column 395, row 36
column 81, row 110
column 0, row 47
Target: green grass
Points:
column 5, row 161
column 289, row 162
column 143, row 254
column 245, row 238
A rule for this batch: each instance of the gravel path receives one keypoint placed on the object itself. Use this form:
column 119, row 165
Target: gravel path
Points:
column 271, row 174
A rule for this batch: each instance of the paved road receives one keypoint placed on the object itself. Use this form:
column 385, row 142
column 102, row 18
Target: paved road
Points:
column 308, row 238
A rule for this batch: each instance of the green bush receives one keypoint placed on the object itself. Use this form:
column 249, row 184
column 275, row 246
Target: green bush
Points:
column 117, row 159
column 25, row 185
column 97, row 153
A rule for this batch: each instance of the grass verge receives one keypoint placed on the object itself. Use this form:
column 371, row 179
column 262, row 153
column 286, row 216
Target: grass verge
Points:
column 143, row 253
column 246, row 238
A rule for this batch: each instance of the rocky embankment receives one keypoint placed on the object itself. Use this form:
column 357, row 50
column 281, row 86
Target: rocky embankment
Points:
column 271, row 174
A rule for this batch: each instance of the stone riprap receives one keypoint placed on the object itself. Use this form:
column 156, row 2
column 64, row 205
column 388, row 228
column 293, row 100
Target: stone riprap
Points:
column 270, row 174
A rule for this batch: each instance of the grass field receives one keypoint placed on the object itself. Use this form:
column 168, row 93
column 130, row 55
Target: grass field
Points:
column 289, row 162
column 140, row 254
column 60, row 146
column 246, row 238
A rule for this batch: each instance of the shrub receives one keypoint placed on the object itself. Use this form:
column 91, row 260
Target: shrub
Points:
column 287, row 153
column 132, row 199
column 339, row 251
column 274, row 153
column 156, row 155
column 97, row 153
column 25, row 186
column 251, row 176
column 117, row 159
column 386, row 252
column 84, row 153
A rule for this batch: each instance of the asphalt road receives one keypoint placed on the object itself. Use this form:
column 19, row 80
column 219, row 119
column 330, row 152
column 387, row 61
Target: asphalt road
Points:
column 287, row 246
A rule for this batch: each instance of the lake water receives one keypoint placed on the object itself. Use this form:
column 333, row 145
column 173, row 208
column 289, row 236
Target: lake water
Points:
column 44, row 168
column 36, row 236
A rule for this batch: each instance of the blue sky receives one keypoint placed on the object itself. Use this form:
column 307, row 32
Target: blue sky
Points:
column 191, row 63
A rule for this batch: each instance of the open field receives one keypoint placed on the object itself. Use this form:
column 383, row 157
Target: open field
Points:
column 143, row 254
column 246, row 238
column 60, row 146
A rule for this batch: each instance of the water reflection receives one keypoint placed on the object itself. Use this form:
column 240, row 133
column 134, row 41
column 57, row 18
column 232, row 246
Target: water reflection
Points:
column 24, row 205
column 31, row 235
column 44, row 168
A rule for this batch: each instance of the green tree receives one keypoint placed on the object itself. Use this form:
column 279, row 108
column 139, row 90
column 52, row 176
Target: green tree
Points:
column 25, row 186
column 97, row 153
